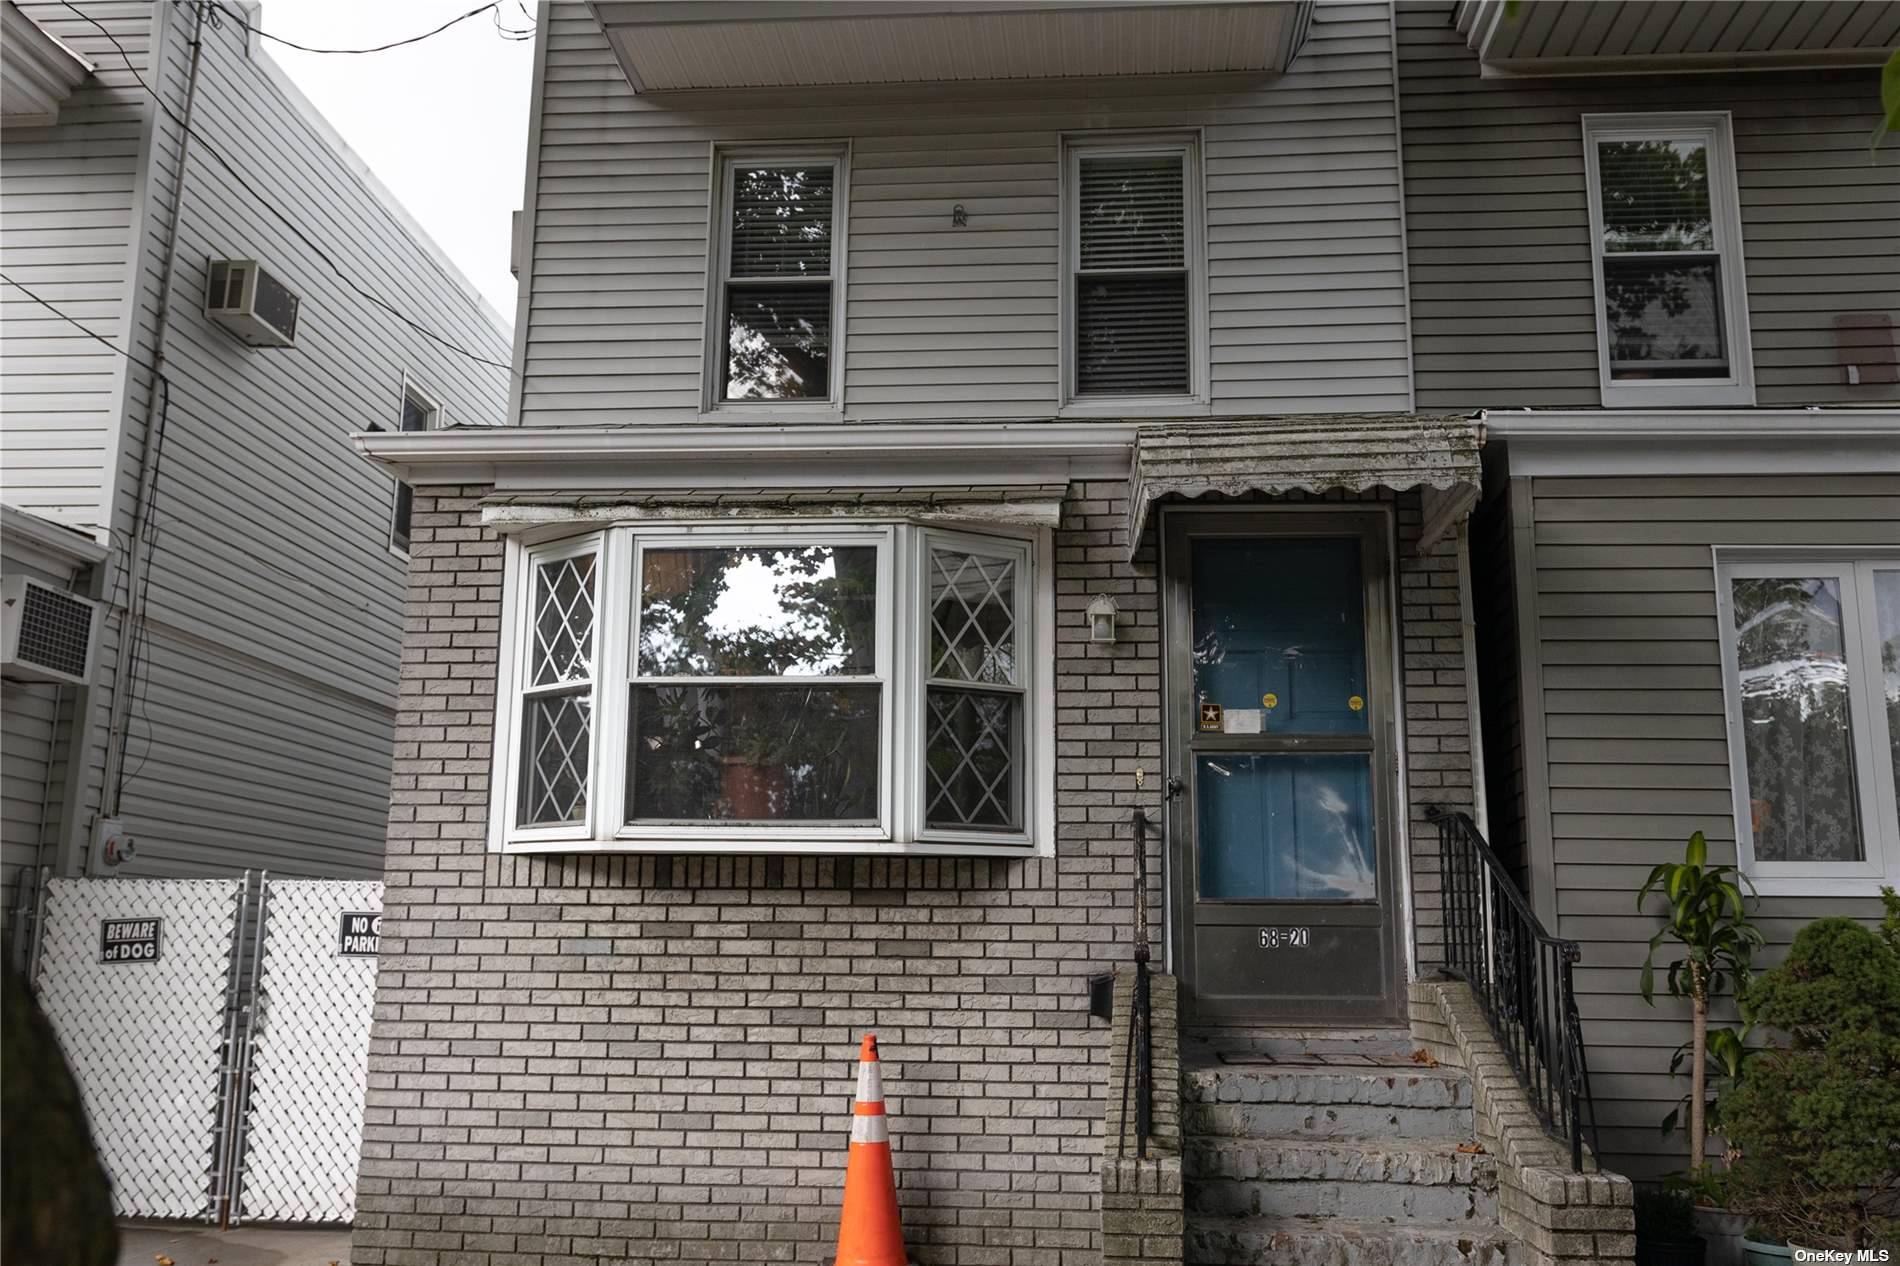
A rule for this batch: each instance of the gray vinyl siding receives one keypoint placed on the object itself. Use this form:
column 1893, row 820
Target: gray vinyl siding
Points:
column 1632, row 702
column 1306, row 288
column 264, row 698
column 1498, row 220
column 69, row 207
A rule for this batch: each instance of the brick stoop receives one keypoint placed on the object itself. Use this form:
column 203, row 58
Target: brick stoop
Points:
column 1336, row 1150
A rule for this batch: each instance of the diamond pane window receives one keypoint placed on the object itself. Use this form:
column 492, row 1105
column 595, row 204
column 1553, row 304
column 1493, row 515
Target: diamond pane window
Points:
column 973, row 747
column 557, row 726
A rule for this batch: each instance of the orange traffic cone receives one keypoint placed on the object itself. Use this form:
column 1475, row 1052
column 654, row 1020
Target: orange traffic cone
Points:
column 868, row 1234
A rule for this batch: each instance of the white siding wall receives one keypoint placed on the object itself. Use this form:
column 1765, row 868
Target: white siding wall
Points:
column 1306, row 287
column 68, row 214
column 263, row 721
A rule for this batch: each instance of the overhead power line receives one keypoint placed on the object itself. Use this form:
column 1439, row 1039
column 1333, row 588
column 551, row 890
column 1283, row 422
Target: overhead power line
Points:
column 284, row 218
column 88, row 331
column 507, row 33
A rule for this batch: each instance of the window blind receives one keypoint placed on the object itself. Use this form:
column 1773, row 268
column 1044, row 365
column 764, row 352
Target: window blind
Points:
column 1131, row 285
column 781, row 222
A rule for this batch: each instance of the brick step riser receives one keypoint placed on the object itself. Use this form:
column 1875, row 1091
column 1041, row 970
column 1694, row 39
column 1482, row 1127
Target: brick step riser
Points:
column 1333, row 1120
column 1360, row 1201
column 1431, row 1163
column 1278, row 1246
column 1397, row 1088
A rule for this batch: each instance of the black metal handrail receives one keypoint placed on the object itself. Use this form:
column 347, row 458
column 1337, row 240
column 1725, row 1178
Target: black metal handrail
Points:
column 1523, row 978
column 1138, row 1062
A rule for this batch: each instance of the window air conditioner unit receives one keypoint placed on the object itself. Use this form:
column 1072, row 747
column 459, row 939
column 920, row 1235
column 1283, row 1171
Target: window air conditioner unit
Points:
column 46, row 634
column 246, row 300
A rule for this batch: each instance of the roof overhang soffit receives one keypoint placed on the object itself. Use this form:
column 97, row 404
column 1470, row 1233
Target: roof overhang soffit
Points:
column 37, row 70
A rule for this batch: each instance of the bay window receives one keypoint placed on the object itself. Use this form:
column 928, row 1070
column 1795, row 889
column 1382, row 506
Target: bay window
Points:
column 1811, row 657
column 857, row 688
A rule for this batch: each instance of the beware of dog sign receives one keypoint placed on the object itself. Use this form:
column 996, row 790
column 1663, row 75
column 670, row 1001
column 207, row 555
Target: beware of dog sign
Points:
column 129, row 940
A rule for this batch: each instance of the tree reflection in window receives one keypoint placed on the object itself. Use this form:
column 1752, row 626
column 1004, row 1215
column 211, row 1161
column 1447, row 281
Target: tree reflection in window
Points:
column 778, row 295
column 1661, row 272
column 779, row 730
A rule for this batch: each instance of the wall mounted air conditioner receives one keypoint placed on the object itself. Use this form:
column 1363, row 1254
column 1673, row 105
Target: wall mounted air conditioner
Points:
column 46, row 634
column 248, row 301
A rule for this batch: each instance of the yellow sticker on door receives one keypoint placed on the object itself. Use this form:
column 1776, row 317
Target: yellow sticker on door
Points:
column 1270, row 700
column 1357, row 703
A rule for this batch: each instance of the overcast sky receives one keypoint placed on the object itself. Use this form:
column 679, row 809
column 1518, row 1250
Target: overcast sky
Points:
column 442, row 123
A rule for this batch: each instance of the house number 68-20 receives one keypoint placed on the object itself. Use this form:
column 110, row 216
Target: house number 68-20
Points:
column 1284, row 938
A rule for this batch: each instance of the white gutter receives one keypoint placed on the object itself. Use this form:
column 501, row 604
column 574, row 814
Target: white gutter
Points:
column 794, row 455
column 1558, row 442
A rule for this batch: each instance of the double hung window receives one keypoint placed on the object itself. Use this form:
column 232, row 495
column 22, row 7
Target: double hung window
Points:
column 1811, row 652
column 779, row 277
column 796, row 688
column 1672, row 312
column 1132, row 251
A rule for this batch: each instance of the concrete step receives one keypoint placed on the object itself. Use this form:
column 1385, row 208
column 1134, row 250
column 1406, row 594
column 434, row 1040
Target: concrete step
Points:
column 1424, row 1180
column 1245, row 1241
column 1390, row 1046
column 1286, row 1100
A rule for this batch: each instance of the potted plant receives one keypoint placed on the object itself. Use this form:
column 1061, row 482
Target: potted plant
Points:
column 1665, row 1229
column 1816, row 1119
column 1707, row 920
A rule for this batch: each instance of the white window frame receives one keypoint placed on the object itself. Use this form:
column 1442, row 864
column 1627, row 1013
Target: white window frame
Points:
column 1188, row 145
column 902, row 651
column 835, row 154
column 1714, row 129
column 1853, row 568
column 517, row 657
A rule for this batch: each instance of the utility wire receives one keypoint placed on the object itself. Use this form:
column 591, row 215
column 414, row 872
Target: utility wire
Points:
column 82, row 328
column 285, row 219
column 495, row 5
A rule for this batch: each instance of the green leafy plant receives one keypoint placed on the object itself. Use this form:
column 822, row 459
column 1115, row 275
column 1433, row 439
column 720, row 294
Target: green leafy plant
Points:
column 1727, row 1059
column 1815, row 1121
column 1889, row 99
column 1707, row 919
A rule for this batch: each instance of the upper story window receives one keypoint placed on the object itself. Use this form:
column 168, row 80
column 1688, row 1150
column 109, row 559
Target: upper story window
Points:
column 1672, row 310
column 779, row 277
column 419, row 413
column 1811, row 653
column 1133, row 273
column 815, row 688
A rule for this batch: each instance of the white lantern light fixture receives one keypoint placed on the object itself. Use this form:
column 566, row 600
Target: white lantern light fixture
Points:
column 1102, row 613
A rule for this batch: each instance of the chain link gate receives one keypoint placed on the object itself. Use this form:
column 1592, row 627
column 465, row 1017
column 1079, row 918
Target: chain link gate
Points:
column 220, row 1039
column 138, row 977
column 314, row 995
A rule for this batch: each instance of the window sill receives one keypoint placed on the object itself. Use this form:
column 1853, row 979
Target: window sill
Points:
column 1138, row 407
column 760, row 845
column 1627, row 394
column 1860, row 885
column 769, row 411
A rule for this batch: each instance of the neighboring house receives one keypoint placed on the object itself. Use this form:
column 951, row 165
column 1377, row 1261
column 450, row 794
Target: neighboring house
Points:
column 1674, row 293
column 236, row 705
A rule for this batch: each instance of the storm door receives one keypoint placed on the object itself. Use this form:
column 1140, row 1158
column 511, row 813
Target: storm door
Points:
column 1286, row 897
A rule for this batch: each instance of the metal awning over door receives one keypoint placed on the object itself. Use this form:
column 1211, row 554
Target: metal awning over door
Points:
column 1352, row 452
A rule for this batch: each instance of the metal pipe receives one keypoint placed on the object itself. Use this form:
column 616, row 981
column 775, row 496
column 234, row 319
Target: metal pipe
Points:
column 248, row 1046
column 227, row 1088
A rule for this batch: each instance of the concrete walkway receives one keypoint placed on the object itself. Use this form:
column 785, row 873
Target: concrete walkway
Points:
column 240, row 1246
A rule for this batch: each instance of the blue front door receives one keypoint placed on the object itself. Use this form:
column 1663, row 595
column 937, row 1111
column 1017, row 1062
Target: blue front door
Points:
column 1284, row 886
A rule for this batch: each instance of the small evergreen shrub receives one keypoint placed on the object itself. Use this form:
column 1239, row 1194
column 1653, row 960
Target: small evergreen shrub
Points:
column 1817, row 1120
